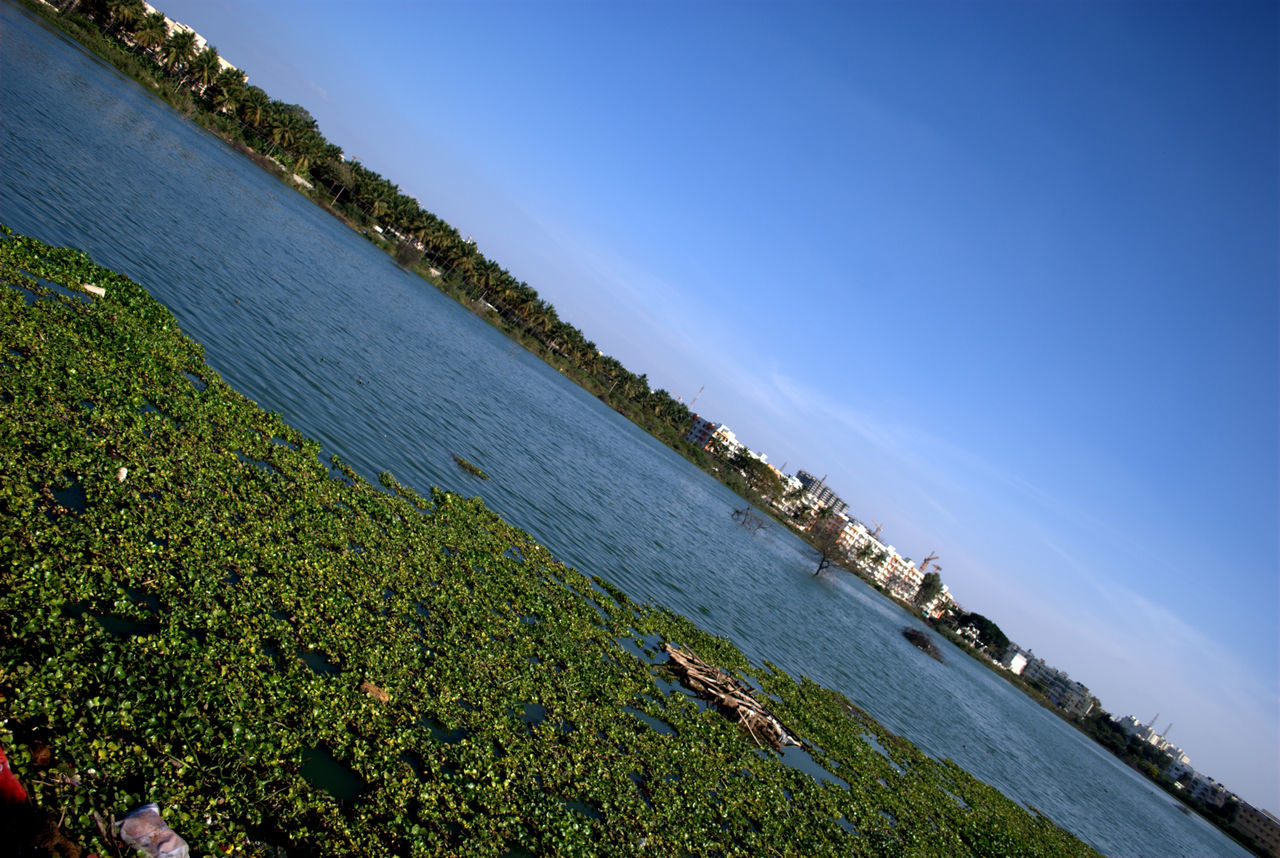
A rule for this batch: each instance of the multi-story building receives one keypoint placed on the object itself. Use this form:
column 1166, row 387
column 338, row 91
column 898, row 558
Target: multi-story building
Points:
column 1147, row 733
column 840, row 525
column 790, row 503
column 200, row 41
column 897, row 574
column 1069, row 696
column 699, row 435
column 1015, row 659
column 1180, row 769
column 1209, row 791
column 820, row 495
column 861, row 538
column 884, row 565
column 906, row 578
column 1260, row 827
column 713, row 437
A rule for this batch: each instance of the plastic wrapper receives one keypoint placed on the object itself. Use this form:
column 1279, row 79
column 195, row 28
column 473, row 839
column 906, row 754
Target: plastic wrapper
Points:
column 146, row 830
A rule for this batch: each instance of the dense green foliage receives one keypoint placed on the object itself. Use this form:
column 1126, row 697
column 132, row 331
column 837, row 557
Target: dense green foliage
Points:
column 200, row 612
column 930, row 586
column 989, row 634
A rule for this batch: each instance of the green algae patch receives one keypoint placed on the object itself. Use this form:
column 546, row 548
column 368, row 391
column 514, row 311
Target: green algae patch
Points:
column 471, row 469
column 299, row 662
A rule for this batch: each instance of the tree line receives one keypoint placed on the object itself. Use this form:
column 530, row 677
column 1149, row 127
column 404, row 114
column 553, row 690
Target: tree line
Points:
column 199, row 83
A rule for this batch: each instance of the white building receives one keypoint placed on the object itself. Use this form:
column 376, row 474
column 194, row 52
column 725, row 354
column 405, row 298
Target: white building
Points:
column 201, row 42
column 711, row 436
column 939, row 604
column 1209, row 791
column 1015, row 659
column 1179, row 769
column 1147, row 733
column 1068, row 695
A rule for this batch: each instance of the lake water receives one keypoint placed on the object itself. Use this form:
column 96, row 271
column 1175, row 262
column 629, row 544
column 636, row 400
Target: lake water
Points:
column 305, row 317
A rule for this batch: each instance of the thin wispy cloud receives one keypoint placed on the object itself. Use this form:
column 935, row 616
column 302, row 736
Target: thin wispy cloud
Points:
column 318, row 90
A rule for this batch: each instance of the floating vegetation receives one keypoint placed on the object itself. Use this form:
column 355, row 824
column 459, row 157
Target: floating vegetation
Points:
column 469, row 468
column 923, row 642
column 660, row 726
column 150, row 639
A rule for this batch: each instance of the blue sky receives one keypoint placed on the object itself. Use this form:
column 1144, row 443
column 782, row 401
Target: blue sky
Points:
column 1005, row 272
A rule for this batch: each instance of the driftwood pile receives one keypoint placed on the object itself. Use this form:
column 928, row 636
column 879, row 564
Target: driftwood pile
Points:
column 730, row 696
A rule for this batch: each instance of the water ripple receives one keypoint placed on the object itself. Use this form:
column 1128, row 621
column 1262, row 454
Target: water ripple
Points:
column 307, row 319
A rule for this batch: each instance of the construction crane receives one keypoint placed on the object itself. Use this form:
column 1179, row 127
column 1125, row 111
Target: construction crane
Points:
column 925, row 563
column 875, row 532
column 696, row 395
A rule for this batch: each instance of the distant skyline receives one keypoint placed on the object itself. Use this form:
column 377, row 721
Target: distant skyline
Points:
column 1006, row 273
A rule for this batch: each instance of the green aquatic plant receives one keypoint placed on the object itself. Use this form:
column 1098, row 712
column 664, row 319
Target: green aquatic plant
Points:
column 469, row 468
column 284, row 656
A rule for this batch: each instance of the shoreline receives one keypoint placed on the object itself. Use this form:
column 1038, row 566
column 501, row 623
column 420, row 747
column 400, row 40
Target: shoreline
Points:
column 194, row 112
column 228, row 609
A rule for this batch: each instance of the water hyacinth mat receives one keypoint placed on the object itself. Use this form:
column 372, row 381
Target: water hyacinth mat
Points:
column 197, row 610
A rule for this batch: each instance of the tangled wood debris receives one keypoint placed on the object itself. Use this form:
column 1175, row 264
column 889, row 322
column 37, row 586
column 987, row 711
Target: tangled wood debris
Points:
column 730, row 696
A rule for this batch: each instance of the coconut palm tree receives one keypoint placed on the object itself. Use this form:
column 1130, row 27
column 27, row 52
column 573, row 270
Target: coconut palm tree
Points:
column 228, row 90
column 380, row 198
column 204, row 68
column 151, row 33
column 126, row 15
column 428, row 229
column 286, row 125
column 463, row 258
column 404, row 212
column 178, row 51
column 255, row 106
column 487, row 276
column 309, row 146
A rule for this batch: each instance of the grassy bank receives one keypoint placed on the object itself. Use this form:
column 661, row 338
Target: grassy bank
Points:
column 200, row 612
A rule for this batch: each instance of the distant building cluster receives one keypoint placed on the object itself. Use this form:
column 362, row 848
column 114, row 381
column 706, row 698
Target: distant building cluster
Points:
column 1134, row 728
column 1202, row 787
column 1068, row 695
column 1260, row 826
column 808, row 499
column 811, row 504
column 1063, row 691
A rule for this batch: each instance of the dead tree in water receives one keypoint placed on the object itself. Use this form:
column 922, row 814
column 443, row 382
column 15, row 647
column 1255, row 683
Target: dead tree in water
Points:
column 747, row 518
column 827, row 543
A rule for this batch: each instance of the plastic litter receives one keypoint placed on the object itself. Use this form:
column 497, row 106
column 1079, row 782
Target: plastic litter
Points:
column 146, row 830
